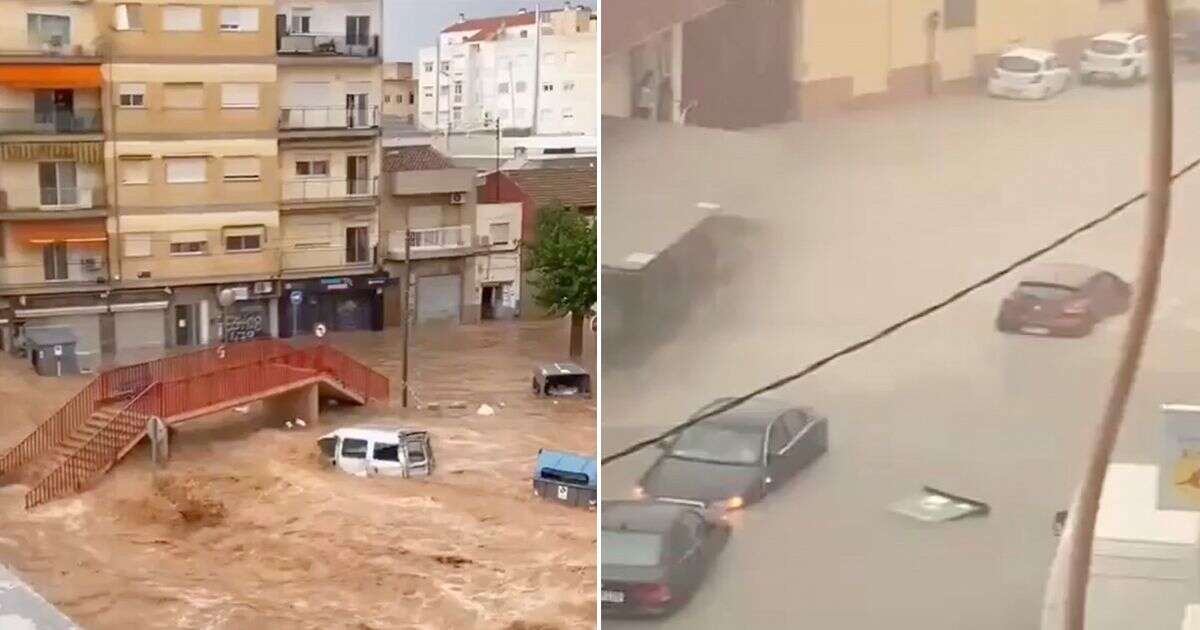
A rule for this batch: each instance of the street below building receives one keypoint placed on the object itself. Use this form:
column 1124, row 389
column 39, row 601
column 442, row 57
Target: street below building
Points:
column 865, row 219
column 245, row 529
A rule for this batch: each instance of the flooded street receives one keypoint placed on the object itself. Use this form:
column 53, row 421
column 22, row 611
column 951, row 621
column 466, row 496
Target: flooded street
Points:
column 863, row 220
column 244, row 529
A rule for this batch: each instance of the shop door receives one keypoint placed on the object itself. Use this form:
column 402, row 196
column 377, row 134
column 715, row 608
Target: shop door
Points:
column 139, row 329
column 186, row 332
column 351, row 313
column 439, row 298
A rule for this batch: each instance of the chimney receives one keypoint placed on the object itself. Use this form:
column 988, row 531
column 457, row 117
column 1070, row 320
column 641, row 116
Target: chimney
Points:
column 462, row 17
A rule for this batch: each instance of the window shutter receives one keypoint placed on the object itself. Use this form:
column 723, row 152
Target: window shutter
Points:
column 181, row 18
column 185, row 170
column 137, row 245
column 183, row 95
column 243, row 168
column 239, row 95
column 195, row 236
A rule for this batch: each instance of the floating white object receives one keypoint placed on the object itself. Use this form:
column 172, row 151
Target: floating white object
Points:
column 300, row 422
column 485, row 410
column 242, row 409
column 288, row 424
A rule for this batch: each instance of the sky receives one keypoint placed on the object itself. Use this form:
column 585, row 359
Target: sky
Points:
column 414, row 24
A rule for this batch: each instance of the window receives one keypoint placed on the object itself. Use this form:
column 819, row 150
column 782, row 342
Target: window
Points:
column 796, row 422
column 239, row 95
column 54, row 261
column 189, row 243
column 132, row 95
column 524, row 34
column 428, row 92
column 547, row 87
column 428, row 66
column 458, row 88
column 358, row 244
column 247, row 239
column 386, row 452
column 358, row 30
column 354, row 449
column 445, row 89
column 412, row 98
column 568, row 86
column 959, row 14
column 135, row 171
column 313, row 167
column 57, row 182
column 242, row 168
column 183, row 95
column 568, row 113
column 186, row 170
column 457, row 114
column 780, row 436
column 549, row 59
column 128, row 17
column 520, row 87
column 387, row 98
column 445, row 66
column 137, row 245
column 474, row 47
column 309, row 235
column 48, row 30
column 502, row 88
column 177, row 17
column 240, row 19
column 301, row 20
column 499, row 233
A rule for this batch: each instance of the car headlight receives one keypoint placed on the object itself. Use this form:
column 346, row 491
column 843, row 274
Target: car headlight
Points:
column 733, row 503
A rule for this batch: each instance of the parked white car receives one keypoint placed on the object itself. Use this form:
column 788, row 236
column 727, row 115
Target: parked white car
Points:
column 367, row 451
column 1115, row 56
column 1028, row 73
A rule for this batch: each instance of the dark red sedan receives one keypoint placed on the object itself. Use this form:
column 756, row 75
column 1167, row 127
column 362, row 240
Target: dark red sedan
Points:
column 1063, row 300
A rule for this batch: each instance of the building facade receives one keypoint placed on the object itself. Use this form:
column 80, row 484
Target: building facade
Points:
column 175, row 173
column 801, row 60
column 400, row 92
column 526, row 75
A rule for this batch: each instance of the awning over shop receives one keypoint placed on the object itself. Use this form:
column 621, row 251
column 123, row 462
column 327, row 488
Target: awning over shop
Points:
column 76, row 231
column 85, row 152
column 34, row 76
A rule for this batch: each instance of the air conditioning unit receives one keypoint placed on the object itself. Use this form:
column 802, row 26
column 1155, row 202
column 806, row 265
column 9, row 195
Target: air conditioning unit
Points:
column 458, row 198
column 484, row 240
column 91, row 264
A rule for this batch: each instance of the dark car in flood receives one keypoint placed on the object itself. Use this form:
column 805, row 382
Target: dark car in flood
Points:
column 654, row 555
column 1063, row 300
column 733, row 459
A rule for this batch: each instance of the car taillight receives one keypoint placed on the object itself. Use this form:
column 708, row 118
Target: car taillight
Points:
column 654, row 594
column 1037, row 78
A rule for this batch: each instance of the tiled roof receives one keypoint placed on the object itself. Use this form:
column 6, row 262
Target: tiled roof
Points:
column 416, row 158
column 492, row 23
column 569, row 186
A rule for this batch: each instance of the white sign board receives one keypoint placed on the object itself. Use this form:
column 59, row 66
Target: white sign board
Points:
column 1179, row 459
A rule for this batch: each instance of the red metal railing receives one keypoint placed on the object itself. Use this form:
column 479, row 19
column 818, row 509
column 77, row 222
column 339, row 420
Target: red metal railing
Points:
column 200, row 381
column 99, row 453
column 63, row 423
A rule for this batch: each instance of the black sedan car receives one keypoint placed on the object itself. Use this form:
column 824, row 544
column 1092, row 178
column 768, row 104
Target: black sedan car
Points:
column 734, row 458
column 654, row 555
column 1063, row 300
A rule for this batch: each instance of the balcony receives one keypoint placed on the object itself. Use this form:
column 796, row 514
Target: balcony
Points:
column 53, row 203
column 51, row 49
column 53, row 122
column 328, row 122
column 309, row 46
column 454, row 240
column 320, row 190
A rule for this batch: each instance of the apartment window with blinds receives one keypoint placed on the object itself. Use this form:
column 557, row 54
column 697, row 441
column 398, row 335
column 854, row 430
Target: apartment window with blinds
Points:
column 137, row 245
column 313, row 167
column 128, row 17
column 239, row 95
column 178, row 17
column 189, row 243
column 959, row 14
column 520, row 85
column 568, row 86
column 310, row 235
column 135, row 170
column 245, row 239
column 53, row 31
column 358, row 244
column 239, row 19
column 132, row 95
column 502, row 88
column 186, row 170
column 183, row 95
column 499, row 233
column 54, row 261
column 242, row 168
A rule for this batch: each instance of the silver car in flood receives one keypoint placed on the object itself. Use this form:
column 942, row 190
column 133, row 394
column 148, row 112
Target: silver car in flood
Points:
column 368, row 451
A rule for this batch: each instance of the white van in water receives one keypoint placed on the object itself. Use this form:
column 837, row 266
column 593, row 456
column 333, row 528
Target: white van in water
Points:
column 367, row 451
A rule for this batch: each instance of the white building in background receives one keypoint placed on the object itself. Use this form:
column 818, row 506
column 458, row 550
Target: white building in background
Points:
column 506, row 67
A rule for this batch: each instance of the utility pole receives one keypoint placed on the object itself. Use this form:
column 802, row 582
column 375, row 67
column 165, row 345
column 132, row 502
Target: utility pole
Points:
column 1153, row 245
column 407, row 288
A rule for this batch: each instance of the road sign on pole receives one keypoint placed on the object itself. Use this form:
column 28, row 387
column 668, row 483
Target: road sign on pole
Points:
column 1179, row 459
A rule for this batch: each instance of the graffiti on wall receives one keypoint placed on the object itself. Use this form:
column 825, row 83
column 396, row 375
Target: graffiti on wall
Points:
column 245, row 325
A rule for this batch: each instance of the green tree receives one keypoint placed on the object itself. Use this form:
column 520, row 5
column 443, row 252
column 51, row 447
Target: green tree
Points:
column 564, row 266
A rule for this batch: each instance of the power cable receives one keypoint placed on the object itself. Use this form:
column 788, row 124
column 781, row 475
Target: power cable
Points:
column 923, row 313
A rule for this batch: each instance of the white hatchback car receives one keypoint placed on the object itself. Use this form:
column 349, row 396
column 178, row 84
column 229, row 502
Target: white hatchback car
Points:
column 1115, row 56
column 1028, row 73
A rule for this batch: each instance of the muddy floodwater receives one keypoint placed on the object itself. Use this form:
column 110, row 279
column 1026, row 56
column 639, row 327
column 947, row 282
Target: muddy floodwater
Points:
column 244, row 529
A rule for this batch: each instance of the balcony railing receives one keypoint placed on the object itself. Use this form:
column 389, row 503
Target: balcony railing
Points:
column 321, row 188
column 52, row 199
column 327, row 45
column 431, row 240
column 328, row 117
column 50, row 122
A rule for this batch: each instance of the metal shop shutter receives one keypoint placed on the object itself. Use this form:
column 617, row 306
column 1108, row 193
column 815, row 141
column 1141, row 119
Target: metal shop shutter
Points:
column 85, row 327
column 140, row 329
column 439, row 298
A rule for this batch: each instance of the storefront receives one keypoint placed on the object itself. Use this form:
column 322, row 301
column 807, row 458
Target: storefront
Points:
column 340, row 303
column 247, row 311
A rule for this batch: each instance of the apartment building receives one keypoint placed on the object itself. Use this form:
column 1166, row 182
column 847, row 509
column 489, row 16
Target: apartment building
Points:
column 531, row 71
column 400, row 92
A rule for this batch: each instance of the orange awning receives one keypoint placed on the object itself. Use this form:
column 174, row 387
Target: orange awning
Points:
column 70, row 231
column 49, row 76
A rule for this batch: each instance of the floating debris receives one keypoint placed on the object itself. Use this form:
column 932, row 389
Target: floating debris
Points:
column 485, row 410
column 937, row 506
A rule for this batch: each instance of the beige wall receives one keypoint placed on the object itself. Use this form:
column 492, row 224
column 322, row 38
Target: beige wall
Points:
column 399, row 91
column 217, row 262
column 155, row 118
column 14, row 26
column 303, row 251
column 215, row 191
column 153, row 42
